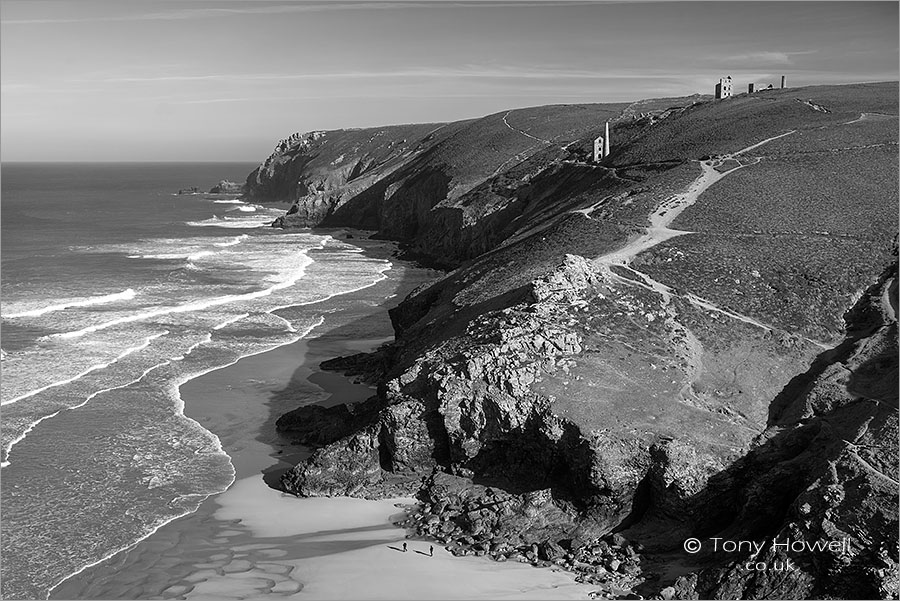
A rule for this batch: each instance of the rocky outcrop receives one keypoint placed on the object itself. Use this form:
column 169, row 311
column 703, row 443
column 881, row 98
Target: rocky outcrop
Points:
column 316, row 426
column 468, row 407
column 227, row 187
column 318, row 172
column 473, row 519
column 459, row 406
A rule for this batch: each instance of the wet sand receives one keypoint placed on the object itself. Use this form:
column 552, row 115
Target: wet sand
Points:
column 254, row 542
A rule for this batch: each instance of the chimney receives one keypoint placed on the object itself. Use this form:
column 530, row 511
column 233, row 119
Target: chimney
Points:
column 782, row 82
column 751, row 88
column 606, row 141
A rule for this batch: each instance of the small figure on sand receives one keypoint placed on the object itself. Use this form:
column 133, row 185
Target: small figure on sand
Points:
column 404, row 547
column 430, row 550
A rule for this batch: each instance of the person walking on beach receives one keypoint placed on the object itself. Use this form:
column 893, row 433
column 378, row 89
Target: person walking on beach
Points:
column 430, row 550
column 404, row 547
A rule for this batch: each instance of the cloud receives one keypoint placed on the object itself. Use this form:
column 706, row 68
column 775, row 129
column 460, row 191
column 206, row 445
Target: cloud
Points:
column 247, row 8
column 767, row 57
column 385, row 95
column 468, row 71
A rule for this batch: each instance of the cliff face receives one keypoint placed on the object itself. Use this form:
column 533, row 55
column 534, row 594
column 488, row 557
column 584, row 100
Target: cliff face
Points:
column 326, row 169
column 696, row 338
column 448, row 191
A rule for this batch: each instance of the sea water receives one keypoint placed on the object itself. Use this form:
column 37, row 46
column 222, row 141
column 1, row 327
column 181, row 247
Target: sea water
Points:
column 115, row 291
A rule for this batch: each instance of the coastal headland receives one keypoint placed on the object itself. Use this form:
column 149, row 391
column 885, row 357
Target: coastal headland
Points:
column 693, row 339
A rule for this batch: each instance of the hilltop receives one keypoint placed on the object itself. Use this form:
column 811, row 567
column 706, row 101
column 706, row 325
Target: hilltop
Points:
column 694, row 338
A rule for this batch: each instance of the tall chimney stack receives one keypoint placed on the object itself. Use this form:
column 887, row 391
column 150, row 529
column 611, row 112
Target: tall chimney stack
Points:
column 606, row 141
column 782, row 82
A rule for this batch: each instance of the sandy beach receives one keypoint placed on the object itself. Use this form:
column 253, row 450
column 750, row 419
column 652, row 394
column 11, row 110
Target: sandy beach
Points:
column 254, row 541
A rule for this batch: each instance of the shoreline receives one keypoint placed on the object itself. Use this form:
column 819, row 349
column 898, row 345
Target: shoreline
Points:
column 379, row 250
column 254, row 541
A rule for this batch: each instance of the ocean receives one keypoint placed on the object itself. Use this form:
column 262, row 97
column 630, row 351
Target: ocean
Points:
column 115, row 291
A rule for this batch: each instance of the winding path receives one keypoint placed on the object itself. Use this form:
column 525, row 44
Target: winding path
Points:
column 521, row 155
column 524, row 133
column 870, row 116
column 666, row 213
column 872, row 468
column 659, row 231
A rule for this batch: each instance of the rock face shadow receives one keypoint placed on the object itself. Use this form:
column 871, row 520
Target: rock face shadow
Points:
column 824, row 470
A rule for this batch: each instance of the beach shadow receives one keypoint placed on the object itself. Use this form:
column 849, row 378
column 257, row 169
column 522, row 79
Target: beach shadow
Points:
column 272, row 475
column 422, row 553
column 396, row 548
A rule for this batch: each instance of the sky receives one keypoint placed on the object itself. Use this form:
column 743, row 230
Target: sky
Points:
column 225, row 80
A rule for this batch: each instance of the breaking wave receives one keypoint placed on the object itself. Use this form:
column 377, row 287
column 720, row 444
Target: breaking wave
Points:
column 86, row 302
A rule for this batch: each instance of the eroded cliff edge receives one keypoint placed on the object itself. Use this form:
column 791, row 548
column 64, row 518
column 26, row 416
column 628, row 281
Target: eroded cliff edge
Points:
column 696, row 338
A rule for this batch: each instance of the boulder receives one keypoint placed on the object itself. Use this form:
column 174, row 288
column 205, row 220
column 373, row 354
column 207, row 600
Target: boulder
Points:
column 314, row 425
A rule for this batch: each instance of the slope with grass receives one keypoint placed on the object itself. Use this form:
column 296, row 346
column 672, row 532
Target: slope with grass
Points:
column 417, row 183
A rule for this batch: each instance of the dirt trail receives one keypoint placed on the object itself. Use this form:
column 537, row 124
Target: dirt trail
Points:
column 666, row 213
column 524, row 133
column 889, row 300
column 873, row 469
column 659, row 231
column 870, row 117
column 667, row 293
column 520, row 156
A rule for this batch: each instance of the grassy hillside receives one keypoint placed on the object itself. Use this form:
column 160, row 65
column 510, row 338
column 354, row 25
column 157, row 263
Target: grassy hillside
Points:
column 721, row 127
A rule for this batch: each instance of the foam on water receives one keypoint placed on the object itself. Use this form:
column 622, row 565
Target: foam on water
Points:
column 163, row 478
column 86, row 302
column 287, row 322
column 20, row 437
column 230, row 321
column 249, row 222
column 91, row 369
column 184, row 248
column 109, row 389
column 234, row 241
column 385, row 267
column 199, row 255
column 273, row 260
column 197, row 305
column 206, row 339
column 175, row 393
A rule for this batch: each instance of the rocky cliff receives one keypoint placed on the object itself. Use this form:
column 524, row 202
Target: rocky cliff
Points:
column 695, row 338
column 448, row 191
